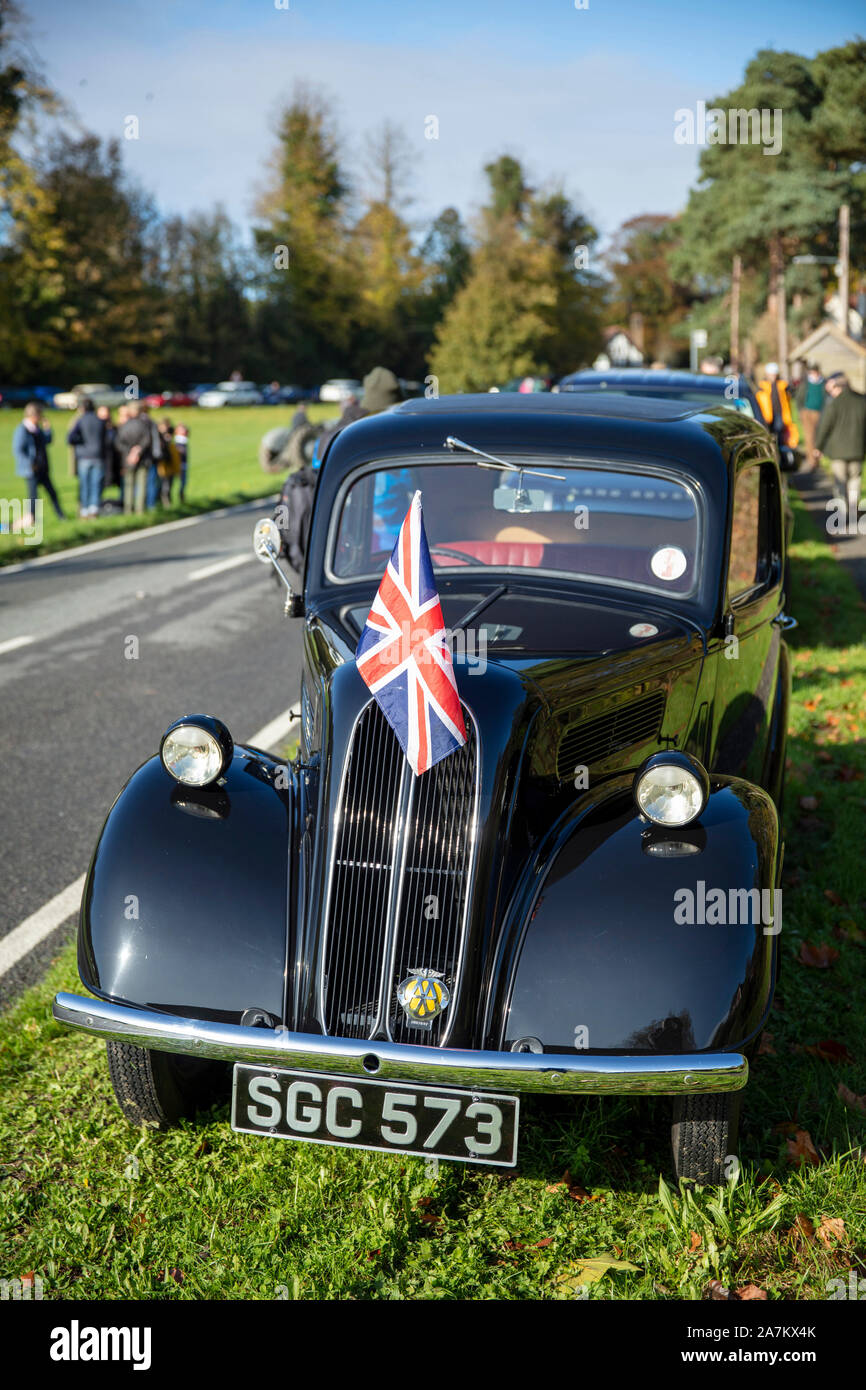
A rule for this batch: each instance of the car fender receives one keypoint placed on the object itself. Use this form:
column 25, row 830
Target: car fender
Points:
column 185, row 902
column 618, row 941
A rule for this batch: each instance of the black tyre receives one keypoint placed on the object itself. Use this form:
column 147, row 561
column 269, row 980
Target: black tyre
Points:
column 299, row 449
column 704, row 1137
column 161, row 1088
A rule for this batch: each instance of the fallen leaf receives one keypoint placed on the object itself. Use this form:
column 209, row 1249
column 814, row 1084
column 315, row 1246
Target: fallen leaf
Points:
column 831, row 1228
column 803, row 1229
column 749, row 1292
column 555, row 1187
column 718, row 1292
column 596, row 1268
column 830, row 1051
column 835, row 898
column 544, row 1242
column 848, row 1098
column 801, row 1149
column 819, row 957
column 695, row 1243
column 203, row 1148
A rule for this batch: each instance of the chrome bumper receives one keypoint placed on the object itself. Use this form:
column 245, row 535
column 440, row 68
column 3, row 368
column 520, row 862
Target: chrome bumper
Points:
column 474, row 1071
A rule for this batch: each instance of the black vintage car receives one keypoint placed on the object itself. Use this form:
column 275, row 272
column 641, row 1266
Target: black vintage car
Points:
column 581, row 898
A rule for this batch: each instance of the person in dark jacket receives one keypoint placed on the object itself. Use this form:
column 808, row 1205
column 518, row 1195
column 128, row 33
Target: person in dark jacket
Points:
column 87, row 437
column 30, row 449
column 136, row 440
column 110, row 459
column 842, row 436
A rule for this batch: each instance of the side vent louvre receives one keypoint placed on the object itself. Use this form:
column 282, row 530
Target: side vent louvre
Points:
column 592, row 740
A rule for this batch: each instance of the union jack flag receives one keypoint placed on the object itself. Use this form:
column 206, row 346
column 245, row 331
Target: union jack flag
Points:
column 403, row 655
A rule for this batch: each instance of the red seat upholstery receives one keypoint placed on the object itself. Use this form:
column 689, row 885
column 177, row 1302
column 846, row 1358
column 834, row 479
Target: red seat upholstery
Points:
column 525, row 554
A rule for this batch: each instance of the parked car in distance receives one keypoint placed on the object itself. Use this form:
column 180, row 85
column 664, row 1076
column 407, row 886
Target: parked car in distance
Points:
column 17, row 396
column 339, row 389
column 733, row 392
column 177, row 399
column 98, row 392
column 231, row 393
column 274, row 394
column 580, row 899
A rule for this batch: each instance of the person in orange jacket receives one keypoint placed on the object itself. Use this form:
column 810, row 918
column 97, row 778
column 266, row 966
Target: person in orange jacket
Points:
column 775, row 402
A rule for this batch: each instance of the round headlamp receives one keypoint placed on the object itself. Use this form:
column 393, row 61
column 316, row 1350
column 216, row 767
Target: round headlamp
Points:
column 671, row 789
column 196, row 750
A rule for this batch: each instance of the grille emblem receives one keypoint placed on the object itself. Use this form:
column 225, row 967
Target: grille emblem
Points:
column 423, row 997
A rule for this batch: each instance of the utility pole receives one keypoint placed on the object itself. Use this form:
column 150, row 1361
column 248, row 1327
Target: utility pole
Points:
column 735, row 312
column 844, row 255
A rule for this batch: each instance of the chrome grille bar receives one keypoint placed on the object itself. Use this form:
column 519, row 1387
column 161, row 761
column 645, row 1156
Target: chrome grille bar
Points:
column 399, row 882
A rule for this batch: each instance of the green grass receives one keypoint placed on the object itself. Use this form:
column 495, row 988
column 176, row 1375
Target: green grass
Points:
column 98, row 1210
column 224, row 469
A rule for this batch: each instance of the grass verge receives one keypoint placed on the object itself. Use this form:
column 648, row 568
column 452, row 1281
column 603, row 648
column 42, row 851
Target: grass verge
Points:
column 97, row 1210
column 223, row 471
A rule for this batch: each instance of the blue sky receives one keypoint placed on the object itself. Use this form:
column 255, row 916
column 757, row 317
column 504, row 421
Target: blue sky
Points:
column 585, row 97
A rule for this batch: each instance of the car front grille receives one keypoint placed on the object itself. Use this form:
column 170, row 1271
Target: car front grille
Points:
column 592, row 740
column 400, row 877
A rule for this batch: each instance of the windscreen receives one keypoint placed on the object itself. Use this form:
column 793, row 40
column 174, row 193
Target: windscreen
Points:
column 598, row 522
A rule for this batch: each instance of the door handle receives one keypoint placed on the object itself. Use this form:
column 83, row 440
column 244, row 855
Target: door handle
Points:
column 784, row 622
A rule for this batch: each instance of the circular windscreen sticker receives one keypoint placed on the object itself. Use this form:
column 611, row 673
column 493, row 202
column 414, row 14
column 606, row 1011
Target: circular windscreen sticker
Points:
column 643, row 630
column 668, row 563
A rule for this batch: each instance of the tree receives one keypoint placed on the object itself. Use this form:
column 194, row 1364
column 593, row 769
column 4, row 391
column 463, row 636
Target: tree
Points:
column 307, row 297
column 767, row 207
column 639, row 262
column 527, row 305
column 390, row 273
column 112, row 308
column 31, row 245
column 205, row 279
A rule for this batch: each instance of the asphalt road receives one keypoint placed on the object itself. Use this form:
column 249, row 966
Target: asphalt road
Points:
column 79, row 711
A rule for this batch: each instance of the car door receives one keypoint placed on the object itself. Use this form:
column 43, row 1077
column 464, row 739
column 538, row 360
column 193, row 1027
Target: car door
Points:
column 747, row 646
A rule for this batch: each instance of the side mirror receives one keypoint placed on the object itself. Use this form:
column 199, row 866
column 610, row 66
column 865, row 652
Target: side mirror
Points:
column 267, row 544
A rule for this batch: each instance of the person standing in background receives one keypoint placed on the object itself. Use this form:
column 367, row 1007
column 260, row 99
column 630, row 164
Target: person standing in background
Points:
column 154, row 481
column 810, row 399
column 773, row 398
column 30, row 450
column 87, row 437
column 135, row 441
column 842, row 437
column 110, row 460
column 181, row 443
column 168, row 467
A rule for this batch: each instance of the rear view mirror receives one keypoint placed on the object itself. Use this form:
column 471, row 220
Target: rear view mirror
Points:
column 519, row 499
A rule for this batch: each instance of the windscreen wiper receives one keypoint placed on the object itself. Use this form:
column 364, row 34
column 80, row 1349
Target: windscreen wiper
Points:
column 497, row 463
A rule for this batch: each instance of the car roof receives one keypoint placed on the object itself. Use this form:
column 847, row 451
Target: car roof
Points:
column 658, row 379
column 643, row 408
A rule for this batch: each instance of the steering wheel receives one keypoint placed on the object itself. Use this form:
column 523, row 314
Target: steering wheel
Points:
column 456, row 554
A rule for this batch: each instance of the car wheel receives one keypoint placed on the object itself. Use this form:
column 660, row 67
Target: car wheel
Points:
column 704, row 1137
column 160, row 1088
column 299, row 450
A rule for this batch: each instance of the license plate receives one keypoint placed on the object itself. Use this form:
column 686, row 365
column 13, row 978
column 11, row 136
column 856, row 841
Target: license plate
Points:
column 467, row 1126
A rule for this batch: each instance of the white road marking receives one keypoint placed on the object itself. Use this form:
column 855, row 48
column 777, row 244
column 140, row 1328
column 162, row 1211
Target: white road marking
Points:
column 276, row 733
column 13, row 643
column 54, row 913
column 139, row 535
column 221, row 565
column 35, row 928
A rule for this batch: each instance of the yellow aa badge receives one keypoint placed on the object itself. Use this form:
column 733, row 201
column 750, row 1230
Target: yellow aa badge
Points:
column 423, row 996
